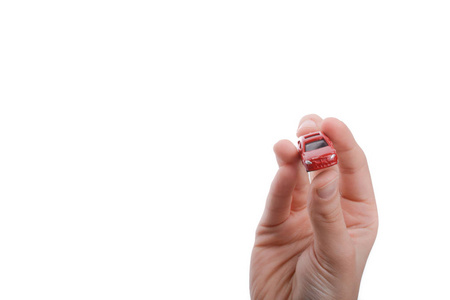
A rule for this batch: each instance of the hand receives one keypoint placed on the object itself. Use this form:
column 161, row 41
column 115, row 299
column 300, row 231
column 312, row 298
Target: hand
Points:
column 314, row 237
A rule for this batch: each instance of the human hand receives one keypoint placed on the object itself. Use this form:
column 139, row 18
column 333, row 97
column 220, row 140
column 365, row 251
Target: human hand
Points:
column 314, row 237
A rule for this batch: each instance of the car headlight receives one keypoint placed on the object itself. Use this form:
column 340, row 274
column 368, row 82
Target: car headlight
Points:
column 308, row 162
column 332, row 156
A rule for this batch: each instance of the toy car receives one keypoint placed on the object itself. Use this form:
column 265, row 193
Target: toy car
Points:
column 316, row 151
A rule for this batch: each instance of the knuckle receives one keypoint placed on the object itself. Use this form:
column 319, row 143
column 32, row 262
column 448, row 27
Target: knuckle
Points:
column 328, row 214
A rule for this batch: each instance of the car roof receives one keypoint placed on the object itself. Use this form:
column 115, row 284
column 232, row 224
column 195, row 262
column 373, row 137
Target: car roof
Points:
column 312, row 137
column 313, row 134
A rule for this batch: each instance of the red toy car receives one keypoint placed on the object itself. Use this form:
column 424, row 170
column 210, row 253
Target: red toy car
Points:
column 316, row 151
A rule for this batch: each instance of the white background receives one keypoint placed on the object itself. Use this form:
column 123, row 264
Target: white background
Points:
column 136, row 138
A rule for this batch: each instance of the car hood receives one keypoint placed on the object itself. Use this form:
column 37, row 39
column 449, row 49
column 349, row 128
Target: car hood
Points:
column 324, row 151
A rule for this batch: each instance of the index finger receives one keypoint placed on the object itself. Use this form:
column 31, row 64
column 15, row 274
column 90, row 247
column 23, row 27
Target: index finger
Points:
column 356, row 183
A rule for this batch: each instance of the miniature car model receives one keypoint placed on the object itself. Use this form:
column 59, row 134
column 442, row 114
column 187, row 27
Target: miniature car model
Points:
column 316, row 151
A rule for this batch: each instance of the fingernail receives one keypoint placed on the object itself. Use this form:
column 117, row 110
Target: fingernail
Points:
column 328, row 190
column 308, row 124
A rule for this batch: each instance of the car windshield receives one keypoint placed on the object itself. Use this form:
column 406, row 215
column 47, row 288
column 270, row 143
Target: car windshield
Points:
column 315, row 145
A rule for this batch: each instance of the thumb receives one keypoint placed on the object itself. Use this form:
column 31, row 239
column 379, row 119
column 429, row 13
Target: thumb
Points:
column 325, row 211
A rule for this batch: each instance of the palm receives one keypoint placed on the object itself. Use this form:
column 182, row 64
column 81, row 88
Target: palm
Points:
column 289, row 260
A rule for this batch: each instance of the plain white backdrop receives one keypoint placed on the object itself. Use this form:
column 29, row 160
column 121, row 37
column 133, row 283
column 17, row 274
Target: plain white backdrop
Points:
column 136, row 139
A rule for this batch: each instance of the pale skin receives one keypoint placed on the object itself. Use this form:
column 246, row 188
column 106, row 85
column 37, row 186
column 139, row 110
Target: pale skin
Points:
column 315, row 235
